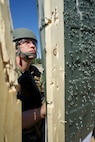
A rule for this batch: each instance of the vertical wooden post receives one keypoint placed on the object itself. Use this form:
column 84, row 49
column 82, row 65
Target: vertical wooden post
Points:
column 10, row 108
column 54, row 38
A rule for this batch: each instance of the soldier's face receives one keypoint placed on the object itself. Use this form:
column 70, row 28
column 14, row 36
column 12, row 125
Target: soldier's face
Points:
column 28, row 45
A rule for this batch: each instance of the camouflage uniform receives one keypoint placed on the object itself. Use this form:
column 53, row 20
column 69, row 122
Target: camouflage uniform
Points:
column 31, row 98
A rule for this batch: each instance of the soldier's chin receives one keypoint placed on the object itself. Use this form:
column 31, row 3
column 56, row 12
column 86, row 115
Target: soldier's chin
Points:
column 32, row 56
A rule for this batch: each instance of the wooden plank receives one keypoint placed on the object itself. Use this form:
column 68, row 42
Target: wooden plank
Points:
column 55, row 70
column 10, row 107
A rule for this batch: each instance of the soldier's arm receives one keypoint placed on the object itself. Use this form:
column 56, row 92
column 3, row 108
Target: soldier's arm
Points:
column 31, row 117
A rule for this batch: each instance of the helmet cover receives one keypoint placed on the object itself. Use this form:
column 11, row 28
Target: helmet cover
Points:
column 21, row 33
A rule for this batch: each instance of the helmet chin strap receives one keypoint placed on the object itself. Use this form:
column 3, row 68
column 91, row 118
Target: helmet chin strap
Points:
column 25, row 55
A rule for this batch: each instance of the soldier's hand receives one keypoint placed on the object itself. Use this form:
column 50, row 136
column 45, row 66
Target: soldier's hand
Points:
column 43, row 110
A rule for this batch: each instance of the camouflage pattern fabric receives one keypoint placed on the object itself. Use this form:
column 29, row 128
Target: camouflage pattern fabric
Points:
column 36, row 133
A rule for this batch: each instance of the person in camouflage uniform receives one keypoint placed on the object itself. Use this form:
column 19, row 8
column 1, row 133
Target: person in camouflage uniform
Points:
column 33, row 106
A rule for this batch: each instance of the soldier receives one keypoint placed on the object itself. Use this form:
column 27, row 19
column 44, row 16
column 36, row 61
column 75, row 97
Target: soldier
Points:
column 33, row 107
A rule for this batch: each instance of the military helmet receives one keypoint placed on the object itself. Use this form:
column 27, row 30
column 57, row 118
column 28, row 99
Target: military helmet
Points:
column 21, row 33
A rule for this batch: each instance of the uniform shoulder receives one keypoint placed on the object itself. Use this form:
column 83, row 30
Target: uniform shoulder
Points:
column 35, row 71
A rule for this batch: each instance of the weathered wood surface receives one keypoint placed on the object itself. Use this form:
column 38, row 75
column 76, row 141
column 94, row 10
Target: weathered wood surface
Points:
column 54, row 39
column 10, row 108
